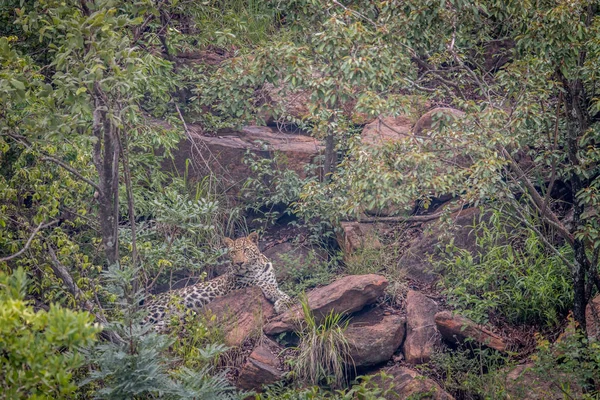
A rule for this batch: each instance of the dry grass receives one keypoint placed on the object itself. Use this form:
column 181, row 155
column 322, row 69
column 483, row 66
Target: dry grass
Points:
column 323, row 351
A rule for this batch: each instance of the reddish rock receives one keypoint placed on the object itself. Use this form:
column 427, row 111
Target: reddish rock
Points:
column 436, row 118
column 223, row 154
column 386, row 129
column 374, row 336
column 346, row 295
column 592, row 318
column 422, row 336
column 240, row 314
column 455, row 329
column 404, row 383
column 357, row 236
column 523, row 383
column 261, row 367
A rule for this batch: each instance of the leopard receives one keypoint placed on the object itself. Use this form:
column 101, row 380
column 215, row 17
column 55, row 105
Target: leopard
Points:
column 249, row 267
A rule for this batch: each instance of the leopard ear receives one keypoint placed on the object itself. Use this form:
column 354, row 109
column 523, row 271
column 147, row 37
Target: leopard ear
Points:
column 228, row 242
column 253, row 237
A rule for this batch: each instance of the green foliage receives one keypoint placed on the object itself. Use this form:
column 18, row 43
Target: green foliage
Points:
column 471, row 373
column 364, row 388
column 271, row 187
column 323, row 351
column 571, row 362
column 513, row 274
column 142, row 364
column 39, row 350
column 313, row 270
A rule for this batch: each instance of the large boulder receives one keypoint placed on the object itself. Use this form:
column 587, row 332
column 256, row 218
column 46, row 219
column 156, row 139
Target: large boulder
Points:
column 436, row 119
column 262, row 367
column 346, row 295
column 223, row 154
column 456, row 329
column 408, row 384
column 386, row 129
column 416, row 260
column 239, row 314
column 422, row 336
column 374, row 336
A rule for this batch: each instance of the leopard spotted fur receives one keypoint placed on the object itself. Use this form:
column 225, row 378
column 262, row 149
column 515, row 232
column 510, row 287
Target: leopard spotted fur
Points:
column 249, row 267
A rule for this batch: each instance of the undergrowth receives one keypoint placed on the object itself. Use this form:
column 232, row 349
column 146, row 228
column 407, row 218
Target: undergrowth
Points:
column 513, row 274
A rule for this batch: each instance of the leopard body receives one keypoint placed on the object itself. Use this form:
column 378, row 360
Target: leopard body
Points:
column 249, row 267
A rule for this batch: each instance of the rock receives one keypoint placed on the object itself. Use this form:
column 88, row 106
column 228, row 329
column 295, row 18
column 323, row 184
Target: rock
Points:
column 373, row 337
column 436, row 118
column 346, row 295
column 408, row 384
column 523, row 383
column 223, row 154
column 289, row 256
column 422, row 336
column 284, row 103
column 455, row 329
column 592, row 317
column 357, row 236
column 415, row 261
column 240, row 314
column 261, row 367
column 386, row 129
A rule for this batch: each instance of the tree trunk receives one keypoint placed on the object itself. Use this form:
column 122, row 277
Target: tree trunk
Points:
column 106, row 161
column 330, row 158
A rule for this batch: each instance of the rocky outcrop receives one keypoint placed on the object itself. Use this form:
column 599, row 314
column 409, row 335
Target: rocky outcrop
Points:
column 422, row 336
column 239, row 314
column 436, row 118
column 523, row 383
column 416, row 260
column 373, row 337
column 346, row 295
column 386, row 129
column 223, row 154
column 262, row 367
column 355, row 236
column 455, row 329
column 408, row 384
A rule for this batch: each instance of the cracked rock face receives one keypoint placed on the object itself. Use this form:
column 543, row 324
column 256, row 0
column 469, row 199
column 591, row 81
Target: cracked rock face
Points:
column 422, row 336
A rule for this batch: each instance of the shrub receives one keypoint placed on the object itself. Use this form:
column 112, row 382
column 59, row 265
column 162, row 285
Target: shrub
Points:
column 513, row 274
column 38, row 349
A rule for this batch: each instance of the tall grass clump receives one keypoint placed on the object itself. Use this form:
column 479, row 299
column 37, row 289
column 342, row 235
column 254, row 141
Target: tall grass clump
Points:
column 323, row 351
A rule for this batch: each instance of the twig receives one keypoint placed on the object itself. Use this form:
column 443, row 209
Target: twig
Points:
column 35, row 231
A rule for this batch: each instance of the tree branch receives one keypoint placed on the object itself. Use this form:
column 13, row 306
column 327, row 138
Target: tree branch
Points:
column 63, row 274
column 71, row 170
column 35, row 232
column 413, row 218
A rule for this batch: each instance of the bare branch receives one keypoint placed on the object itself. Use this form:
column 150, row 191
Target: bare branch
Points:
column 414, row 218
column 35, row 232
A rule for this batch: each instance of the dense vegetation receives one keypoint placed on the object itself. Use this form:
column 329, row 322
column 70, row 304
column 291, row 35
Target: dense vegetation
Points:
column 95, row 98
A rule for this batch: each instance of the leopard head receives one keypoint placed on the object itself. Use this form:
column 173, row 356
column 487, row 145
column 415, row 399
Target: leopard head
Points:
column 243, row 252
